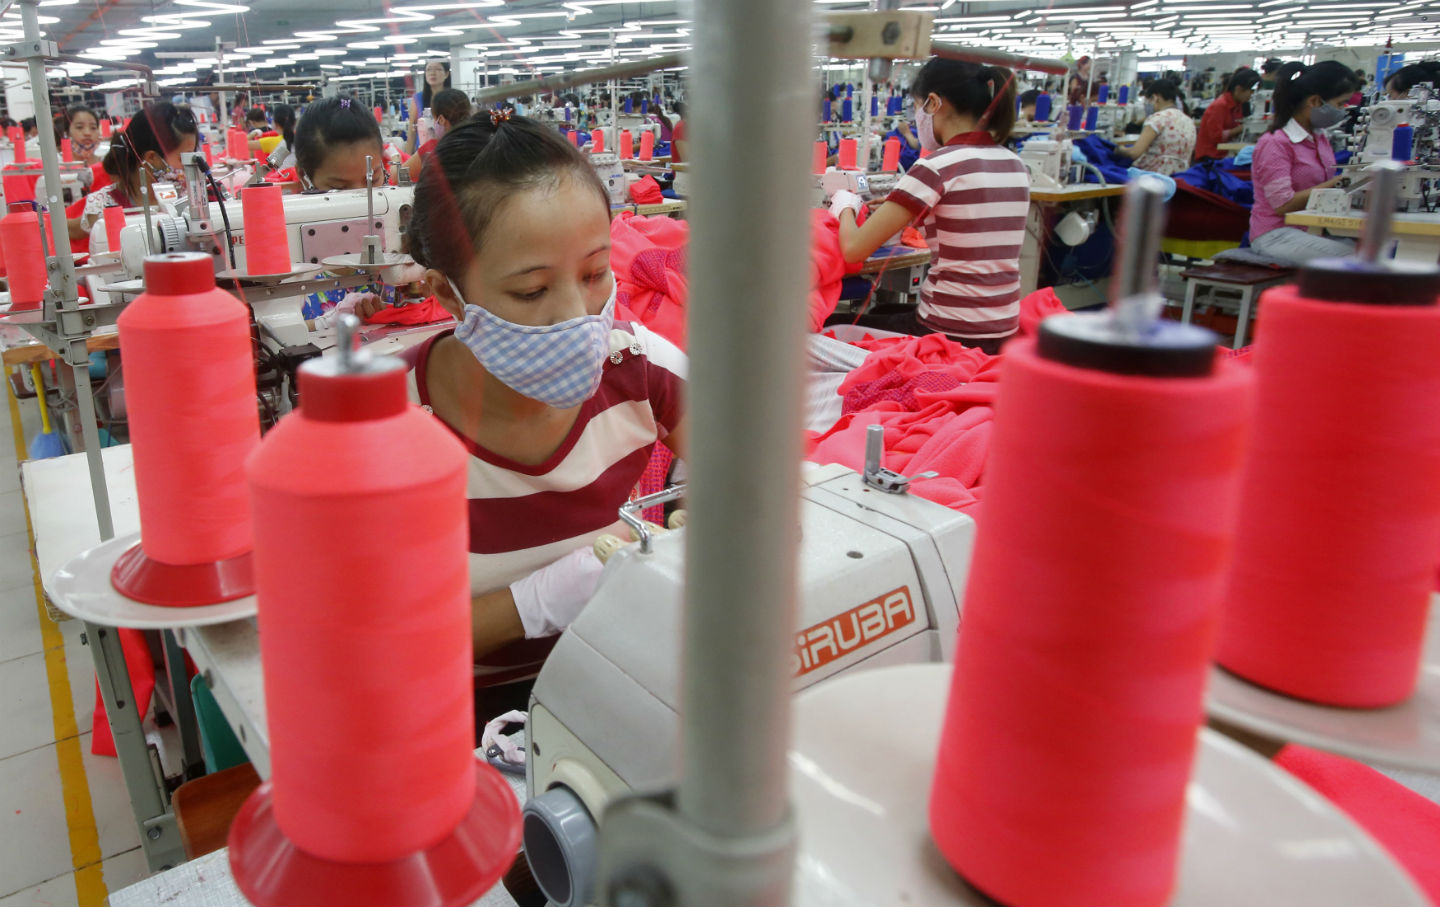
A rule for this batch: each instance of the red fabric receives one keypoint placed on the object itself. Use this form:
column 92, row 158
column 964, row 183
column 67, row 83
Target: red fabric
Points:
column 913, row 238
column 427, row 311
column 647, row 255
column 427, row 147
column 82, row 245
column 934, row 397
column 1405, row 823
column 102, row 179
column 827, row 266
column 288, row 175
column 142, row 680
column 646, row 191
column 677, row 135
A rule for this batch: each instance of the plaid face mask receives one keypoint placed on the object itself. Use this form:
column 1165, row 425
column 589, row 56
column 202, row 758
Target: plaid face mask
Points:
column 559, row 364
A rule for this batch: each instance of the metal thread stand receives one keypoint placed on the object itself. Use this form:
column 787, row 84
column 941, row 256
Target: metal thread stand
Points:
column 65, row 328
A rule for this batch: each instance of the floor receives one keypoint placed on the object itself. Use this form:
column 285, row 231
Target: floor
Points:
column 67, row 836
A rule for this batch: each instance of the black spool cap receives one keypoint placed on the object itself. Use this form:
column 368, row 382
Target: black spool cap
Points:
column 1355, row 280
column 1165, row 349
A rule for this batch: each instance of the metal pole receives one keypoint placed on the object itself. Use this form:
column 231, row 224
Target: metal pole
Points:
column 614, row 101
column 866, row 93
column 752, row 77
column 61, row 274
column 579, row 77
column 998, row 58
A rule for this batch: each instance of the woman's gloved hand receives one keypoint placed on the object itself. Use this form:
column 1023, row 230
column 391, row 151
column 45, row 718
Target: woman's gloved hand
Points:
column 550, row 599
column 846, row 200
column 362, row 305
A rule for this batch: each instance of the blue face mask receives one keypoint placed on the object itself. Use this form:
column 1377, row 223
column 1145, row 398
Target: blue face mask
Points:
column 558, row 364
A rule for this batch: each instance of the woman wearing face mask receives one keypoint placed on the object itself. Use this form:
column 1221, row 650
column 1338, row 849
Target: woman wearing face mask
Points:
column 969, row 196
column 154, row 141
column 451, row 107
column 1168, row 139
column 558, row 403
column 1294, row 158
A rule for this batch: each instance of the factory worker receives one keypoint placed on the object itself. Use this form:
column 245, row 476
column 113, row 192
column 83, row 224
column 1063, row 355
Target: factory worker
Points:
column 558, row 403
column 1399, row 82
column 154, row 140
column 450, row 108
column 282, row 156
column 1295, row 157
column 331, row 143
column 1028, row 102
column 1224, row 120
column 969, row 196
column 437, row 79
column 1167, row 141
column 82, row 127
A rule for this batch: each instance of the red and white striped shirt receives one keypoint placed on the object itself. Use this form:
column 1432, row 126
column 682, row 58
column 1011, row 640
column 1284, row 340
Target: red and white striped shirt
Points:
column 973, row 196
column 525, row 517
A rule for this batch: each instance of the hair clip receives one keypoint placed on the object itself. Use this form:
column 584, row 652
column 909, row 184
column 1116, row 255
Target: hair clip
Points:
column 344, row 103
column 500, row 116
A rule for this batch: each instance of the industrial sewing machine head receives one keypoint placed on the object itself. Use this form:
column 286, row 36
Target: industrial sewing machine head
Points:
column 882, row 573
column 1049, row 162
column 866, row 185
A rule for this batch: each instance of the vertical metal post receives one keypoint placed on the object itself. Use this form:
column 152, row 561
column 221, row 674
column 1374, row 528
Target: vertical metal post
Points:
column 751, row 76
column 614, row 101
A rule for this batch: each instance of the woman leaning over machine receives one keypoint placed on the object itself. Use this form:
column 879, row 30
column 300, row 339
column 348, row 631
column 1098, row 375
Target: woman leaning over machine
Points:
column 557, row 402
column 154, row 141
column 1294, row 158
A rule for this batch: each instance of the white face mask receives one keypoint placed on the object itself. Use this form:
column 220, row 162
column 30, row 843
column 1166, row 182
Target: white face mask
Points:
column 925, row 127
column 560, row 364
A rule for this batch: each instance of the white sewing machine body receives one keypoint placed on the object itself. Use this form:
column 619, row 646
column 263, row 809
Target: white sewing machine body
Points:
column 882, row 576
column 1049, row 162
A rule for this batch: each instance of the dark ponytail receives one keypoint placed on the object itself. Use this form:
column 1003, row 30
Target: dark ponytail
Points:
column 283, row 116
column 986, row 93
column 161, row 127
column 1295, row 82
column 329, row 123
column 474, row 168
column 1169, row 90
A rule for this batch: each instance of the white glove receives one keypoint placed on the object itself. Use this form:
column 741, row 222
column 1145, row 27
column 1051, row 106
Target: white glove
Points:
column 845, row 199
column 402, row 275
column 550, row 599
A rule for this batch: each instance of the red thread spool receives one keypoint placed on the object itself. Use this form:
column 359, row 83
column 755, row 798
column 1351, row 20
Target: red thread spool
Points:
column 627, row 145
column 890, row 160
column 209, row 153
column 237, row 145
column 190, row 380
column 378, row 116
column 114, row 223
column 1340, row 525
column 1095, row 585
column 848, row 151
column 574, row 137
column 647, row 145
column 375, row 795
column 67, row 153
column 818, row 158
column 105, row 127
column 24, row 257
column 267, row 242
column 18, row 186
column 597, row 142
column 17, row 139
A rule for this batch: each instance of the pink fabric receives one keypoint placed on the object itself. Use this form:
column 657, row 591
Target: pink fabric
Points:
column 1405, row 823
column 427, row 311
column 647, row 255
column 1282, row 168
column 645, row 191
column 935, row 399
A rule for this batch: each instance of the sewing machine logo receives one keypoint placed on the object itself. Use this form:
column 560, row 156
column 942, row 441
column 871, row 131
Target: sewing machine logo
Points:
column 838, row 636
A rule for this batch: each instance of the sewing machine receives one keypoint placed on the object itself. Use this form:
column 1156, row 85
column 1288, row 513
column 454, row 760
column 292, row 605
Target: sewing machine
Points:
column 1262, row 104
column 1049, row 162
column 881, row 580
column 1379, row 122
column 866, row 185
column 319, row 226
